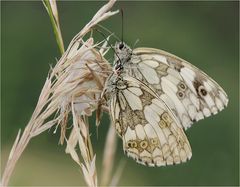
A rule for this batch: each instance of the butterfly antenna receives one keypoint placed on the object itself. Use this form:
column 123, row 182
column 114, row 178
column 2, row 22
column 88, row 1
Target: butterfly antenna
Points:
column 107, row 30
column 108, row 43
column 134, row 45
column 122, row 23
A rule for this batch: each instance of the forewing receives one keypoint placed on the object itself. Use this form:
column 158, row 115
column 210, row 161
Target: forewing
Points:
column 149, row 130
column 188, row 91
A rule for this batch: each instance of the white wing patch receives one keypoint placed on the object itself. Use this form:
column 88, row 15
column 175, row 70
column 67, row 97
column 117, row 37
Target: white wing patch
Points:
column 149, row 73
column 133, row 100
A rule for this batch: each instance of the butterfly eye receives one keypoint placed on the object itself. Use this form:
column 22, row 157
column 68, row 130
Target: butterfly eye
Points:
column 121, row 46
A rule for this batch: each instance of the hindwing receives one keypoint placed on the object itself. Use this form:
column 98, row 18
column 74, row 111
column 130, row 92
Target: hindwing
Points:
column 150, row 132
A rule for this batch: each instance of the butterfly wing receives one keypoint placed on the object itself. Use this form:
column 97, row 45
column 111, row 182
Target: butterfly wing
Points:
column 188, row 91
column 150, row 132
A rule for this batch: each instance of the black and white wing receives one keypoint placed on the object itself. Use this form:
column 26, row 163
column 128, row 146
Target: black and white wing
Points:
column 188, row 91
column 151, row 133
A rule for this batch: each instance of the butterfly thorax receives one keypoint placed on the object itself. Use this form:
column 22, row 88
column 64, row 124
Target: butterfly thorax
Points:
column 123, row 54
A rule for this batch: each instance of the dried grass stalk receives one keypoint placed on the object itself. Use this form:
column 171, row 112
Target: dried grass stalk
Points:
column 108, row 155
column 117, row 175
column 71, row 88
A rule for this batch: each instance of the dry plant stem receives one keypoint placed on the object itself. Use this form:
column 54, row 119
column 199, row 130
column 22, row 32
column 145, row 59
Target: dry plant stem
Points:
column 57, row 95
column 108, row 155
column 108, row 160
column 117, row 175
column 21, row 142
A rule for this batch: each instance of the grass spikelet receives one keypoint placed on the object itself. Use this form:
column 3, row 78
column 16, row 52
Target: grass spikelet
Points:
column 72, row 88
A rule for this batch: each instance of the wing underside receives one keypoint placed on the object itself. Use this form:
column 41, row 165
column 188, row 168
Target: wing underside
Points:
column 190, row 93
column 150, row 132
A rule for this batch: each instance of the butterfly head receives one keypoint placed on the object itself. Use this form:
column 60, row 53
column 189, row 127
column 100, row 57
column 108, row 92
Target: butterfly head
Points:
column 123, row 54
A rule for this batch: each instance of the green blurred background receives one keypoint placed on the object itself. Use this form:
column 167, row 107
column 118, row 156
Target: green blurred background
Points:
column 204, row 33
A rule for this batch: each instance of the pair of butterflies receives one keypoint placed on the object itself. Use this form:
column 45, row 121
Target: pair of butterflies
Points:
column 153, row 96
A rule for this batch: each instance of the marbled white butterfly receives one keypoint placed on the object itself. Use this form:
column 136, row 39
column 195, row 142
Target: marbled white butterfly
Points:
column 152, row 96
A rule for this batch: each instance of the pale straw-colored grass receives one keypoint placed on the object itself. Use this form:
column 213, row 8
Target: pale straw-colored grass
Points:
column 72, row 89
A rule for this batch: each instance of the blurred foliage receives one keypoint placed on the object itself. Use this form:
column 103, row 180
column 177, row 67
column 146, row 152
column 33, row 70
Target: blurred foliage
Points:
column 204, row 33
